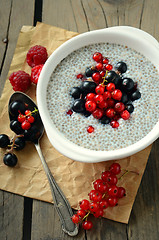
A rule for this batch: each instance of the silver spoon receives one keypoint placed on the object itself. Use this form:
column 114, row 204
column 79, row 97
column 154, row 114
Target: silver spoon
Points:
column 62, row 206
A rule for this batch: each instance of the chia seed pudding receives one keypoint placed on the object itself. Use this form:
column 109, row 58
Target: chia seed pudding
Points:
column 104, row 138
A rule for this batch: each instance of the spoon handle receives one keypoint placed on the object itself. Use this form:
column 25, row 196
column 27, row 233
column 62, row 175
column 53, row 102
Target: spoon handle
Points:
column 61, row 204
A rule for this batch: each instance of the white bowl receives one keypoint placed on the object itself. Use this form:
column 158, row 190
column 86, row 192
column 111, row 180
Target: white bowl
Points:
column 134, row 38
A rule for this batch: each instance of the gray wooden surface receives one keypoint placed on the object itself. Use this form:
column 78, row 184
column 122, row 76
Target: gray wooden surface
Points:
column 24, row 218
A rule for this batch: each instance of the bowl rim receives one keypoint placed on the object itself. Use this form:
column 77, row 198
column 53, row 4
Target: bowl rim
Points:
column 61, row 143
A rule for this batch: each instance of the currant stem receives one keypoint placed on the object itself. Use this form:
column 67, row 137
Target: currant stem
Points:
column 13, row 142
column 126, row 172
column 86, row 216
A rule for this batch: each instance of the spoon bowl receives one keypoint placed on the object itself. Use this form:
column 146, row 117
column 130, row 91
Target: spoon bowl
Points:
column 61, row 204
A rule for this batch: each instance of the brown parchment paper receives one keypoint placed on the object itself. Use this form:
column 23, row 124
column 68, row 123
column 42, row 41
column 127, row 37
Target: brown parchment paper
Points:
column 74, row 178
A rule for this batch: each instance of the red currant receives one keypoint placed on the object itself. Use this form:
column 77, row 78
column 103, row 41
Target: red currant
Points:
column 114, row 124
column 111, row 103
column 103, row 204
column 84, row 204
column 110, row 113
column 90, row 129
column 27, row 112
column 103, row 105
column 117, row 94
column 21, row 118
column 99, row 89
column 91, row 194
column 108, row 67
column 96, row 77
column 97, row 196
column 25, row 125
column 113, row 191
column 30, row 119
column 79, row 76
column 119, row 107
column 95, row 184
column 102, row 187
column 110, row 87
column 87, row 225
column 98, row 113
column 90, row 97
column 98, row 98
column 97, row 56
column 112, row 180
column 102, row 73
column 121, row 192
column 125, row 115
column 105, row 60
column 69, row 112
column 115, row 168
column 93, row 207
column 98, row 213
column 105, row 175
column 107, row 95
column 75, row 218
column 81, row 213
column 90, row 106
column 112, row 201
column 99, row 66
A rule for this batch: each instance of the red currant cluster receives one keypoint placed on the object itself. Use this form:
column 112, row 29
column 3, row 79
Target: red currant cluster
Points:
column 26, row 119
column 105, row 194
column 105, row 93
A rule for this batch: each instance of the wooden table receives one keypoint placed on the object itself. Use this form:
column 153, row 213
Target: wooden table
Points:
column 24, row 218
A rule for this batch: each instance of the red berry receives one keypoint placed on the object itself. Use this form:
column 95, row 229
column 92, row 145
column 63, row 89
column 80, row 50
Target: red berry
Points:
column 81, row 213
column 97, row 196
column 90, row 106
column 99, row 89
column 105, row 60
column 114, row 124
column 99, row 66
column 75, row 218
column 90, row 129
column 102, row 187
column 110, row 112
column 87, row 225
column 95, row 184
column 102, row 73
column 98, row 213
column 79, row 76
column 30, row 119
column 84, row 204
column 96, row 77
column 35, row 73
column 117, row 94
column 121, row 192
column 27, row 112
column 110, row 87
column 112, row 201
column 21, row 118
column 36, row 55
column 25, row 125
column 20, row 81
column 103, row 204
column 93, row 207
column 105, row 175
column 98, row 113
column 112, row 180
column 91, row 194
column 108, row 67
column 90, row 97
column 98, row 98
column 107, row 95
column 103, row 105
column 125, row 115
column 97, row 56
column 70, row 112
column 115, row 168
column 119, row 107
column 113, row 191
column 111, row 103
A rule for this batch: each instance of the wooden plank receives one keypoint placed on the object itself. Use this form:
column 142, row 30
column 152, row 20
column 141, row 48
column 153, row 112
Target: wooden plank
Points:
column 11, row 216
column 46, row 224
column 22, row 13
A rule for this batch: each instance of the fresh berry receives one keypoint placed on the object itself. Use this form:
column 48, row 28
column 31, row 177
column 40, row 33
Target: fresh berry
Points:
column 25, row 125
column 103, row 204
column 113, row 191
column 102, row 187
column 81, row 213
column 93, row 207
column 119, row 107
column 98, row 98
column 98, row 213
column 89, row 71
column 75, row 218
column 111, row 75
column 86, row 113
column 21, row 118
column 99, row 66
column 98, row 113
column 128, row 84
column 19, row 143
column 75, row 92
column 124, row 98
column 88, row 87
column 36, row 55
column 16, row 108
column 114, row 124
column 90, row 106
column 32, row 134
column 108, row 67
column 90, row 129
column 78, row 105
column 121, row 67
column 112, row 201
column 97, row 77
column 79, row 76
column 110, row 113
column 121, row 192
column 106, row 95
column 20, row 81
column 103, row 105
column 30, row 119
column 102, row 73
column 91, row 194
column 112, row 179
column 97, row 196
column 104, row 120
column 110, row 87
column 10, row 159
column 27, row 112
column 116, row 94
column 105, row 175
column 135, row 95
column 99, row 90
column 95, row 184
column 69, row 112
column 35, row 73
column 129, row 108
column 105, row 60
column 115, row 168
column 15, row 126
column 4, row 141
column 97, row 56
column 87, row 225
column 125, row 115
column 84, row 204
column 90, row 96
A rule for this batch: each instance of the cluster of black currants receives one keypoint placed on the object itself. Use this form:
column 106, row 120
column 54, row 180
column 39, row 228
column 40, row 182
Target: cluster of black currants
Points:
column 17, row 110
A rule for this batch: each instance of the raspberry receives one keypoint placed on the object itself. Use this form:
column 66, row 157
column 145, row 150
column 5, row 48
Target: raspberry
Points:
column 35, row 73
column 20, row 81
column 36, row 55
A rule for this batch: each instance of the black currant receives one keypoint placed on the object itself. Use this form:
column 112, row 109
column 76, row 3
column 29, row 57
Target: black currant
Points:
column 105, row 120
column 32, row 134
column 135, row 95
column 128, row 84
column 86, row 113
column 19, row 143
column 124, row 98
column 89, row 71
column 78, row 106
column 129, row 108
column 17, row 107
column 15, row 126
column 121, row 67
column 88, row 86
column 10, row 159
column 4, row 140
column 75, row 92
